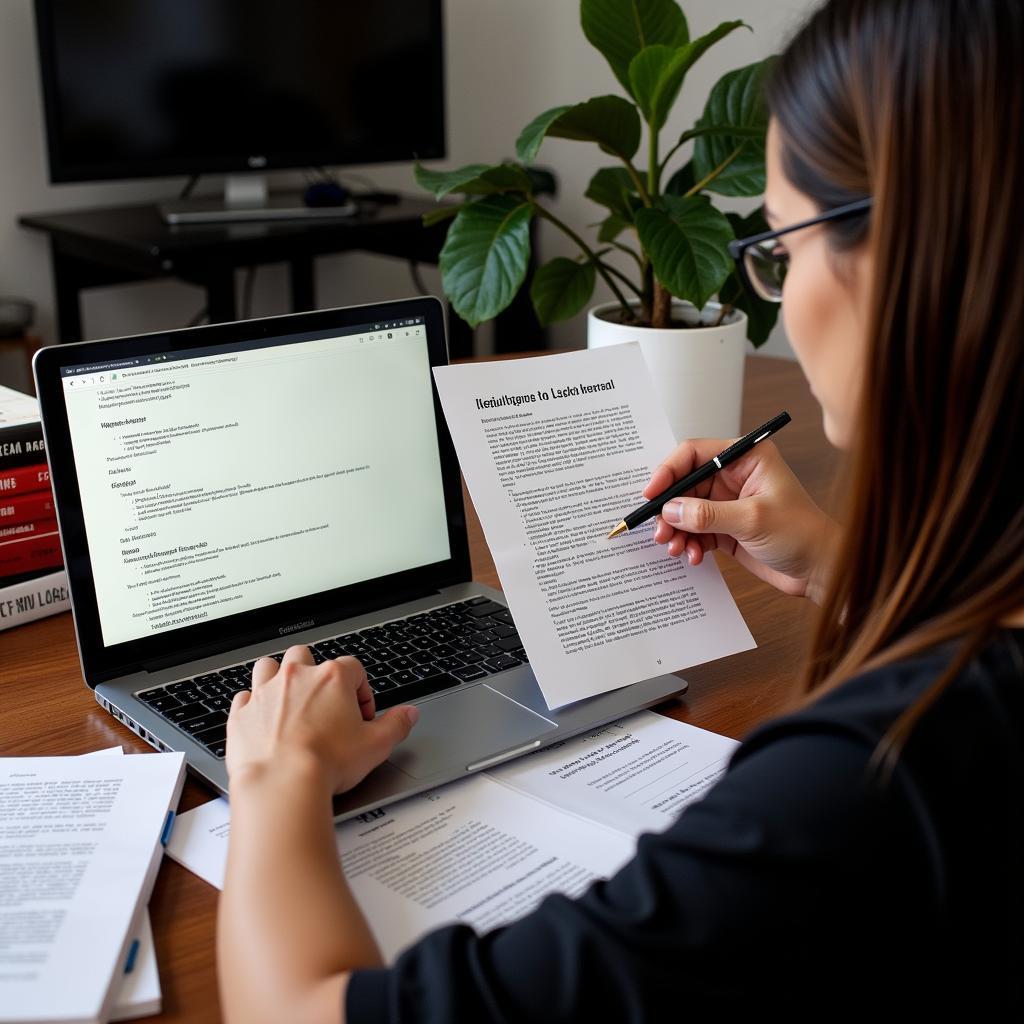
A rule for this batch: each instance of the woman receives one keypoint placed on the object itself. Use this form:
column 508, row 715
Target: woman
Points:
column 864, row 852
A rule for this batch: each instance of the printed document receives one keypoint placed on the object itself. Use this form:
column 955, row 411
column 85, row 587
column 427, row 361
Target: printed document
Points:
column 487, row 849
column 79, row 851
column 555, row 451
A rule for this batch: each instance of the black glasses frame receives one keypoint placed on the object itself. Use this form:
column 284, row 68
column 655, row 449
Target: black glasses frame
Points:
column 739, row 246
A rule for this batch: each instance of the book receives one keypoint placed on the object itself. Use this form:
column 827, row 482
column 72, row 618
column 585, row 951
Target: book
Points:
column 32, row 527
column 24, row 479
column 34, row 598
column 25, row 554
column 82, row 842
column 21, row 433
column 24, row 508
column 487, row 849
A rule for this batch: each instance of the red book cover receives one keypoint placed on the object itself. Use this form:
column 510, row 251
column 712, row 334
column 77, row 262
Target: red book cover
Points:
column 24, row 554
column 24, row 480
column 33, row 528
column 25, row 508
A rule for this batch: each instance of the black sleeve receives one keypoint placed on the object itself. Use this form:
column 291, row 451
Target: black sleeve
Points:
column 784, row 866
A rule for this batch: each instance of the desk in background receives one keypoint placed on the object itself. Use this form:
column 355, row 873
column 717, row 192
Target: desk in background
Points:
column 47, row 709
column 124, row 244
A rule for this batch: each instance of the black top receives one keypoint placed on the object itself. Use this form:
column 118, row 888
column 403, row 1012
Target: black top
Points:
column 791, row 885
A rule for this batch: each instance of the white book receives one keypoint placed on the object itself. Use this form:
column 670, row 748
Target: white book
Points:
column 81, row 839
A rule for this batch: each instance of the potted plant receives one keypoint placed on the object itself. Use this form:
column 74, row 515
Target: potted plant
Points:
column 681, row 297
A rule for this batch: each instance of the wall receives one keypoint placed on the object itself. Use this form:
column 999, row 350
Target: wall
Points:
column 507, row 61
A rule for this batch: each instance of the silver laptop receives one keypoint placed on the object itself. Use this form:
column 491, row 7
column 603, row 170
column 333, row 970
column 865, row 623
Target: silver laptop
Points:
column 224, row 492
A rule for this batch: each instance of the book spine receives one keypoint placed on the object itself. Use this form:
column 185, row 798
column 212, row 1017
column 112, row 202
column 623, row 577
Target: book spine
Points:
column 26, row 508
column 21, row 445
column 24, row 479
column 34, row 527
column 34, row 599
column 23, row 554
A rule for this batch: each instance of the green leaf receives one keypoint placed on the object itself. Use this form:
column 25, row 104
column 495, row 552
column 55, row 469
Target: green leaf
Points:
column 474, row 179
column 613, row 188
column 611, row 227
column 761, row 315
column 682, row 181
column 656, row 73
column 533, row 134
column 442, row 213
column 610, row 121
column 484, row 258
column 620, row 29
column 561, row 289
column 686, row 239
column 735, row 102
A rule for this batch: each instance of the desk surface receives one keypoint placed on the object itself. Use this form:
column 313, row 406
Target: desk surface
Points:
column 48, row 709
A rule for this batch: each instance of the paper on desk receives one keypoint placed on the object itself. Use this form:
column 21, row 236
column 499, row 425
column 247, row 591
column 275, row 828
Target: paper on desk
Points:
column 138, row 994
column 555, row 451
column 635, row 775
column 487, row 849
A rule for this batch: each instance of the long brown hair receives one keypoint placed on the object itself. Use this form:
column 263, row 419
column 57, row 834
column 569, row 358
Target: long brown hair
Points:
column 920, row 104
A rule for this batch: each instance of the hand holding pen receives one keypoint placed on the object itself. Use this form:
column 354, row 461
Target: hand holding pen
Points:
column 754, row 509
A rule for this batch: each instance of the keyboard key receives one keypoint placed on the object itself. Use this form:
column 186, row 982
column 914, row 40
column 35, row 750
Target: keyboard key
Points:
column 401, row 663
column 374, row 672
column 402, row 647
column 421, row 657
column 472, row 657
column 499, row 664
column 509, row 643
column 448, row 664
column 207, row 721
column 442, row 651
column 502, row 630
column 176, row 688
column 485, row 636
column 413, row 691
column 218, row 703
column 403, row 677
column 190, row 696
column 238, row 685
column 212, row 677
column 489, row 651
column 184, row 712
column 165, row 703
column 519, row 653
column 421, row 643
column 212, row 737
column 148, row 696
column 380, row 685
column 236, row 672
column 468, row 673
column 486, row 608
column 476, row 600
column 503, row 616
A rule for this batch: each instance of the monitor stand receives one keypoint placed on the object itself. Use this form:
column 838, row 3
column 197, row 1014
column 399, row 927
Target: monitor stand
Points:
column 246, row 198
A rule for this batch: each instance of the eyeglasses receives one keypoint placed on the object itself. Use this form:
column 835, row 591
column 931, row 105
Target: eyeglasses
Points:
column 763, row 260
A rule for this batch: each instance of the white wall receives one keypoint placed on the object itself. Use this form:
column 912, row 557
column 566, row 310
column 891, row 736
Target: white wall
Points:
column 507, row 61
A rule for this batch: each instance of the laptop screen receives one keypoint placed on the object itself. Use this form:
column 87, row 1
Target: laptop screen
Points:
column 224, row 479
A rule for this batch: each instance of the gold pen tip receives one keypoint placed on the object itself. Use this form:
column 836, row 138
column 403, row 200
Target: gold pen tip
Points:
column 621, row 528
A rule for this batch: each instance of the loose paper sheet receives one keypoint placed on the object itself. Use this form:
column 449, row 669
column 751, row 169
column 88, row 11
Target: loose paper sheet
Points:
column 78, row 838
column 555, row 451
column 487, row 849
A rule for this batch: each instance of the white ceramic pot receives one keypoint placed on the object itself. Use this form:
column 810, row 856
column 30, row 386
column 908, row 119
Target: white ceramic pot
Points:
column 697, row 371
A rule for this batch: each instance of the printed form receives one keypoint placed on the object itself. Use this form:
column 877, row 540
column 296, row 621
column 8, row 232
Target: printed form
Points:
column 487, row 849
column 555, row 451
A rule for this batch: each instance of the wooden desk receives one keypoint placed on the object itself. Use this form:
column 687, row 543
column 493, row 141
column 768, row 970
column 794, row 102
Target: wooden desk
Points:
column 47, row 709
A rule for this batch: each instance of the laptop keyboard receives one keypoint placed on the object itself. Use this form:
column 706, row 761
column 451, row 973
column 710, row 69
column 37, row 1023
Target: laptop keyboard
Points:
column 404, row 660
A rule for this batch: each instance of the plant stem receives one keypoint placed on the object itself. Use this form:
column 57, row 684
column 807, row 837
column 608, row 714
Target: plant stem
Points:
column 661, row 312
column 711, row 175
column 590, row 254
column 622, row 277
column 629, row 252
column 634, row 176
column 653, row 170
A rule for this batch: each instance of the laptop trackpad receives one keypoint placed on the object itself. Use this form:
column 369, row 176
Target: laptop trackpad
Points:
column 464, row 727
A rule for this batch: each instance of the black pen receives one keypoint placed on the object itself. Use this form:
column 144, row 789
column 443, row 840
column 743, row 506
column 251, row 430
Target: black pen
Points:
column 699, row 475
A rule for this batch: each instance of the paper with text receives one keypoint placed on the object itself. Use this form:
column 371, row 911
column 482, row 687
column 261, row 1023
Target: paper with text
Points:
column 487, row 849
column 79, row 850
column 555, row 451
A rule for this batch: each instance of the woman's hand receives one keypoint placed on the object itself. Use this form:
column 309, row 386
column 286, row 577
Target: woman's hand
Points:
column 755, row 509
column 316, row 718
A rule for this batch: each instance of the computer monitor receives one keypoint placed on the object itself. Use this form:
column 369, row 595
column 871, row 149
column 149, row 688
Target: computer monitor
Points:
column 139, row 88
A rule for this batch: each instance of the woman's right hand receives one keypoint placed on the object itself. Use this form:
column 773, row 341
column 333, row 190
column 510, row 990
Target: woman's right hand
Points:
column 755, row 509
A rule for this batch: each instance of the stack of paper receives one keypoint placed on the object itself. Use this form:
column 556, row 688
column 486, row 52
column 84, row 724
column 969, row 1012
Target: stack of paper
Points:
column 81, row 840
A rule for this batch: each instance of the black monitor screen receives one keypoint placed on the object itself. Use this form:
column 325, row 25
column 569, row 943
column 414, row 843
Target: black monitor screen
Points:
column 147, row 87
